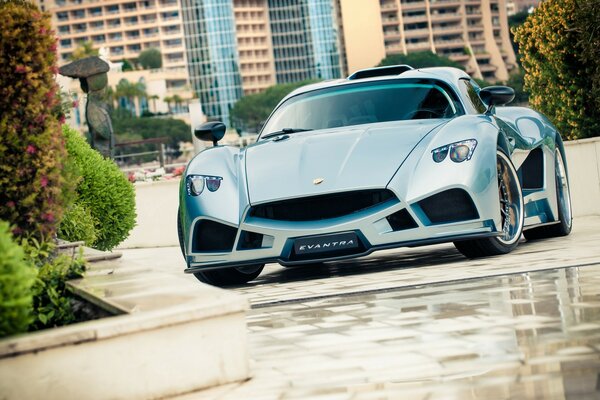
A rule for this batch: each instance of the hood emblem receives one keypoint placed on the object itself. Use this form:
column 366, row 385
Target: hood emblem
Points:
column 318, row 181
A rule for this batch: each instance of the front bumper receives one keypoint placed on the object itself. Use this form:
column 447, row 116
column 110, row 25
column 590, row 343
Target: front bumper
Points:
column 371, row 226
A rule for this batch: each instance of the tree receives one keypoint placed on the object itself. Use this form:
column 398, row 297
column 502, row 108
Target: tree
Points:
column 168, row 100
column 129, row 128
column 558, row 44
column 130, row 91
column 127, row 66
column 150, row 59
column 153, row 98
column 420, row 59
column 83, row 50
column 251, row 111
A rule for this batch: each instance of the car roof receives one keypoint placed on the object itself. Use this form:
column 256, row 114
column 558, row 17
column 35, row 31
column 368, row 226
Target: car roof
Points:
column 449, row 75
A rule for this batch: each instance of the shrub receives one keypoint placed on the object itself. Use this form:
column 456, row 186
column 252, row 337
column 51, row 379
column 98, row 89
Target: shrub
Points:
column 52, row 300
column 560, row 69
column 16, row 279
column 78, row 224
column 103, row 190
column 34, row 180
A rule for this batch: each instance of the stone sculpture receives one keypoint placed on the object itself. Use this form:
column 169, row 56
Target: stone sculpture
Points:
column 91, row 72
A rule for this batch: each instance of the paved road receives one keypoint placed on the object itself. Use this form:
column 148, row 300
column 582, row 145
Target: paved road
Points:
column 425, row 323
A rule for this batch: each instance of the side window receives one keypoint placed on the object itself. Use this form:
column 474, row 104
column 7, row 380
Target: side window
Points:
column 472, row 92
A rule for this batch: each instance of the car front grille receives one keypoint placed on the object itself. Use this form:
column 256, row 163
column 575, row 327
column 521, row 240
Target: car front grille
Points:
column 321, row 207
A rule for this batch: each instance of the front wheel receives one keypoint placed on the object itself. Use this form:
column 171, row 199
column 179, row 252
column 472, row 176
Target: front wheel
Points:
column 230, row 276
column 510, row 199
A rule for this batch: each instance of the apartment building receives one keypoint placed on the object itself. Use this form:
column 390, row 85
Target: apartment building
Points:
column 471, row 32
column 123, row 27
column 255, row 47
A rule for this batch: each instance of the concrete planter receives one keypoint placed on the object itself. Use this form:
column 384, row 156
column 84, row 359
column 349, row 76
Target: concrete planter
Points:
column 583, row 160
column 152, row 353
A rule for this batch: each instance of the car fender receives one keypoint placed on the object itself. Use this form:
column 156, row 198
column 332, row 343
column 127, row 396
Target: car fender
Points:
column 226, row 204
column 419, row 176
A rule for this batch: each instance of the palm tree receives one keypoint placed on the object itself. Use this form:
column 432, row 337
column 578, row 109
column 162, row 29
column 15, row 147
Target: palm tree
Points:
column 177, row 100
column 130, row 91
column 154, row 97
column 83, row 50
column 168, row 100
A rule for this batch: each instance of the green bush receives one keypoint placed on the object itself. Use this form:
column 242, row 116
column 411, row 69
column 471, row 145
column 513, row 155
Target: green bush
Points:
column 562, row 70
column 34, row 180
column 16, row 279
column 52, row 300
column 103, row 190
column 78, row 224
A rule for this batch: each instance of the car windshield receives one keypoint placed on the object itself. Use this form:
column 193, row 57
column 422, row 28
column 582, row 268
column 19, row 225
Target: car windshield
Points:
column 365, row 103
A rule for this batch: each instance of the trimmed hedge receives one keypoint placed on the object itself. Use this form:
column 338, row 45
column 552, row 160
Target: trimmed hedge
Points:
column 78, row 224
column 34, row 179
column 16, row 280
column 103, row 190
column 558, row 44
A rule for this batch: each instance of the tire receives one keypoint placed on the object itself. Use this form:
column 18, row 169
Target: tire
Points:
column 512, row 213
column 230, row 276
column 563, row 198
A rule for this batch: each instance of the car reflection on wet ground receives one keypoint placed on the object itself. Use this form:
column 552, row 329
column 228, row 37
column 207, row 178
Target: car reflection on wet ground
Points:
column 527, row 335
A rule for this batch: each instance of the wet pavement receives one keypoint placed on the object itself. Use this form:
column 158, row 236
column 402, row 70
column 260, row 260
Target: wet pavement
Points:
column 423, row 323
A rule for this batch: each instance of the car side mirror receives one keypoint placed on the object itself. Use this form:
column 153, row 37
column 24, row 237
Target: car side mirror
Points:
column 496, row 96
column 210, row 131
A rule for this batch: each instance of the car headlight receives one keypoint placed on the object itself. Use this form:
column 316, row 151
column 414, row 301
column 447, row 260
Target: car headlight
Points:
column 195, row 184
column 459, row 151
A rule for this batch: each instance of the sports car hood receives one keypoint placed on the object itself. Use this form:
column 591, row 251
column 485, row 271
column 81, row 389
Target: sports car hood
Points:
column 343, row 159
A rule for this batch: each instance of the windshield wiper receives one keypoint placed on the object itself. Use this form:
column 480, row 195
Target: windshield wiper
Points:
column 284, row 131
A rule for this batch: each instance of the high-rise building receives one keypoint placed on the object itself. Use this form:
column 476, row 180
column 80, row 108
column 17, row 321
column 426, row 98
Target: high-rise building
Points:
column 123, row 27
column 306, row 43
column 255, row 49
column 471, row 32
column 212, row 55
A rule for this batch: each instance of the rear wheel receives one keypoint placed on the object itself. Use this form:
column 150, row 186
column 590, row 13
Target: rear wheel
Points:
column 230, row 276
column 511, row 210
column 565, row 216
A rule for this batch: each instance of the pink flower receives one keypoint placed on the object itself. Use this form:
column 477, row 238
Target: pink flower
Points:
column 30, row 149
column 20, row 69
column 48, row 217
column 61, row 119
column 75, row 104
column 53, row 47
column 11, row 204
column 44, row 181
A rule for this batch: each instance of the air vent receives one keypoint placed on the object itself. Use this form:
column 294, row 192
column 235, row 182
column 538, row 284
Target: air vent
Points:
column 380, row 71
column 212, row 236
column 452, row 205
column 326, row 206
column 401, row 220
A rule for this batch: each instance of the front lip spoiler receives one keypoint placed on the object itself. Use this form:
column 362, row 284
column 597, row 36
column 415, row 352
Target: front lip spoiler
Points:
column 413, row 243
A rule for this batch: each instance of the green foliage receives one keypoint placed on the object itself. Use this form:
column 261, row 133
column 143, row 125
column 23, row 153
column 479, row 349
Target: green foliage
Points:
column 34, row 179
column 250, row 112
column 559, row 52
column 51, row 297
column 127, row 66
column 130, row 91
column 129, row 128
column 16, row 280
column 420, row 59
column 150, row 58
column 83, row 50
column 103, row 190
column 78, row 224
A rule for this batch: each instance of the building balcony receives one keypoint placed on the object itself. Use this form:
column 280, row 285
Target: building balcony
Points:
column 412, row 33
column 391, row 35
column 418, row 46
column 414, row 5
column 389, row 21
column 459, row 57
column 414, row 19
column 445, row 16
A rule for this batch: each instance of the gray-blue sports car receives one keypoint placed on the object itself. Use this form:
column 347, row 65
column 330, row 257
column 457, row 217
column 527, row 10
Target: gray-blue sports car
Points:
column 389, row 157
